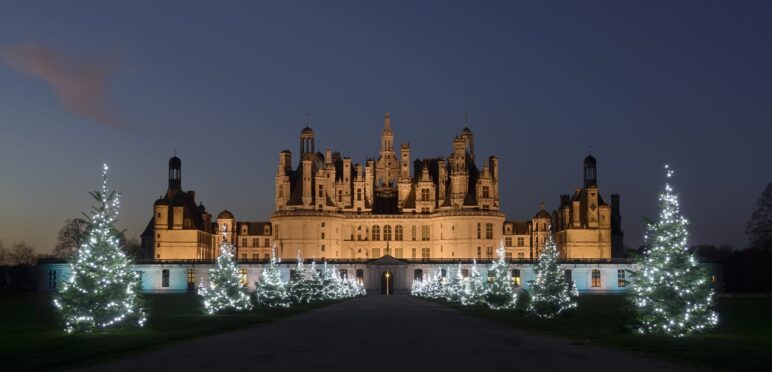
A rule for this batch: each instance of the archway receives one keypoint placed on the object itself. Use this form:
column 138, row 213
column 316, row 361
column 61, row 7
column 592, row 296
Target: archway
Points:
column 387, row 283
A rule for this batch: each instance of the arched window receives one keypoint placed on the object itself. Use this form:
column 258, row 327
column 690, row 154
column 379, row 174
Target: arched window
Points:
column 376, row 233
column 418, row 274
column 398, row 232
column 387, row 232
column 516, row 277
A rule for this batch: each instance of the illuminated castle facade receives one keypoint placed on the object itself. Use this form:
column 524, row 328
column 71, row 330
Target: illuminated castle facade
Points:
column 330, row 207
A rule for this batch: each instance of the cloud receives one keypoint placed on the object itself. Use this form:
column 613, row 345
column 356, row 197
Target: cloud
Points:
column 80, row 86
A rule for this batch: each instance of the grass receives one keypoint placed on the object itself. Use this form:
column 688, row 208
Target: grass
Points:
column 743, row 339
column 31, row 336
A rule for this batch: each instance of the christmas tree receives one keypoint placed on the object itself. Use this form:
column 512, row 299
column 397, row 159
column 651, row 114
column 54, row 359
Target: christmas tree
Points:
column 315, row 283
column 475, row 288
column 299, row 287
column 500, row 294
column 551, row 294
column 671, row 293
column 454, row 289
column 102, row 288
column 225, row 290
column 270, row 290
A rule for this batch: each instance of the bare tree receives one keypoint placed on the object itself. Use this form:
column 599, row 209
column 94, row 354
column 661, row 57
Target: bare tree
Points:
column 22, row 254
column 70, row 236
column 759, row 230
column 3, row 254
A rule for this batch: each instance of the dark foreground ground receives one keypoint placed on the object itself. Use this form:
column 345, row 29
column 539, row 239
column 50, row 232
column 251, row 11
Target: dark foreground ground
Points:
column 383, row 333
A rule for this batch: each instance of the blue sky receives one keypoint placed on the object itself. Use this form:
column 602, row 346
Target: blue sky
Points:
column 228, row 85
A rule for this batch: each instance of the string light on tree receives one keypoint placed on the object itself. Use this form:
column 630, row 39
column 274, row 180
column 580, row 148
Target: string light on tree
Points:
column 500, row 294
column 225, row 291
column 102, row 289
column 270, row 290
column 671, row 293
column 551, row 294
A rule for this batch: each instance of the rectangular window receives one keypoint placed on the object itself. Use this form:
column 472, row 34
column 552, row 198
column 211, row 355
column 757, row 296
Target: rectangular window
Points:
column 255, row 256
column 268, row 242
column 414, row 251
column 596, row 278
column 243, row 256
column 425, row 253
column 165, row 278
column 508, row 256
column 322, row 247
column 359, row 194
column 479, row 252
column 414, row 233
column 191, row 276
column 489, row 252
column 425, row 232
column 508, row 241
column 485, row 192
column 255, row 242
column 488, row 231
column 620, row 278
column 243, row 242
column 520, row 242
column 376, row 252
column 520, row 255
column 322, row 234
column 424, row 194
column 398, row 252
column 516, row 277
column 52, row 279
column 479, row 231
column 243, row 275
column 322, row 224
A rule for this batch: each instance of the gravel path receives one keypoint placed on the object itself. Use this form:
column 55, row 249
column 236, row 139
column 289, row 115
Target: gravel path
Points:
column 383, row 333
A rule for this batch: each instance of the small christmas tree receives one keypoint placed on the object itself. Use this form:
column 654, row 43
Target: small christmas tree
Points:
column 315, row 283
column 299, row 287
column 226, row 291
column 475, row 288
column 550, row 293
column 500, row 293
column 270, row 290
column 102, row 288
column 454, row 289
column 671, row 293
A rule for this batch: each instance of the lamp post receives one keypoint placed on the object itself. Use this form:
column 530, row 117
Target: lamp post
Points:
column 387, row 282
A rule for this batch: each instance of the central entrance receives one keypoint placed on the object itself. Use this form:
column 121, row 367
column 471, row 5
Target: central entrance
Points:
column 387, row 283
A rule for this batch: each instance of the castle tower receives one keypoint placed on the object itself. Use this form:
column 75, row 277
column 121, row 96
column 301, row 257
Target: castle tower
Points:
column 307, row 145
column 590, row 172
column 175, row 176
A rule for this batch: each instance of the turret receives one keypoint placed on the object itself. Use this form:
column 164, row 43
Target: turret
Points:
column 175, row 175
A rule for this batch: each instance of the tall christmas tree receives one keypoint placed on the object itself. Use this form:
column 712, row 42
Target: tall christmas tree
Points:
column 270, row 290
column 671, row 293
column 454, row 289
column 475, row 288
column 102, row 288
column 551, row 294
column 225, row 291
column 299, row 287
column 500, row 293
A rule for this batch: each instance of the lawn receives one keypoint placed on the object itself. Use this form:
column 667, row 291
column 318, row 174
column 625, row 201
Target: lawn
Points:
column 743, row 339
column 31, row 336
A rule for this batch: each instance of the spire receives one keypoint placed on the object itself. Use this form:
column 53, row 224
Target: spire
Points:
column 387, row 122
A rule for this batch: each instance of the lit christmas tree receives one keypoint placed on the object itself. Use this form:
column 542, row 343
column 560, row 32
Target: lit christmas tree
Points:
column 299, row 286
column 475, row 288
column 270, row 290
column 671, row 293
column 500, row 294
column 454, row 289
column 225, row 291
column 551, row 294
column 102, row 288
column 315, row 283
column 417, row 289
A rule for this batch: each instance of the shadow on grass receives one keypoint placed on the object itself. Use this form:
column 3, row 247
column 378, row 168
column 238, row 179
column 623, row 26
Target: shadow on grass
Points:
column 32, row 336
column 743, row 339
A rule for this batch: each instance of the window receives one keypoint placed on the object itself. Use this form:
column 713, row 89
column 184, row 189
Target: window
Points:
column 387, row 232
column 520, row 241
column 568, row 276
column 479, row 252
column 398, row 252
column 243, row 256
column 243, row 242
column 424, row 210
column 418, row 274
column 321, row 191
column 479, row 231
column 343, row 274
column 360, row 276
column 486, row 192
column 322, row 247
column 508, row 256
column 444, row 273
column 414, row 253
column 255, row 242
column 488, row 231
column 165, row 278
column 267, row 256
column 414, row 234
column 255, row 256
column 596, row 278
column 465, row 273
column 520, row 255
column 191, row 276
column 243, row 277
column 489, row 252
column 425, row 253
column 425, row 232
column 52, row 279
column 359, row 194
column 340, row 196
column 508, row 241
column 516, row 277
column 398, row 232
column 322, row 224
column 376, row 233
column 620, row 278
column 267, row 242
column 376, row 252
column 322, row 234
column 424, row 194
column 281, row 191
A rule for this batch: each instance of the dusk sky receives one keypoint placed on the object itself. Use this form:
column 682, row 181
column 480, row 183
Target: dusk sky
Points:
column 228, row 85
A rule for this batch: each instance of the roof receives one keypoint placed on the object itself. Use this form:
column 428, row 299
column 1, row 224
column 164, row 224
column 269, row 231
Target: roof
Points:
column 225, row 214
column 175, row 162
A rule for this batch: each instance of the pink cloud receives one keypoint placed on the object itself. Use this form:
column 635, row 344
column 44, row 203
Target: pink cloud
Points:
column 80, row 86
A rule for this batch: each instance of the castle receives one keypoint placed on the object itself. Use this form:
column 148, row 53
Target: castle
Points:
column 331, row 208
